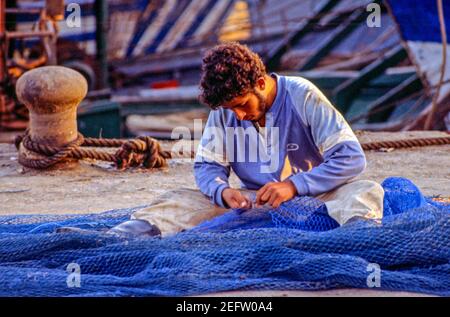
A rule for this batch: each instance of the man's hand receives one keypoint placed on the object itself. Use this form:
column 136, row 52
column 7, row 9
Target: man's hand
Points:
column 234, row 199
column 276, row 193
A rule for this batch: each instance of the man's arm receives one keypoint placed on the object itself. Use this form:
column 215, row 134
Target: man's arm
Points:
column 341, row 163
column 343, row 156
column 212, row 179
column 211, row 167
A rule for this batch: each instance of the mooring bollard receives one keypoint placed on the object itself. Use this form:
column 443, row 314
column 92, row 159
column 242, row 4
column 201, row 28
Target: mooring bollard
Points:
column 51, row 94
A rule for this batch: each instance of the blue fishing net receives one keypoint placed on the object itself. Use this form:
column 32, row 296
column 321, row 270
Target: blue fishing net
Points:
column 295, row 247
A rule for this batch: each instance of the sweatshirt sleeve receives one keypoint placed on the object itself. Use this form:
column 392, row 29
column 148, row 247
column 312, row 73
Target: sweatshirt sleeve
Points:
column 343, row 157
column 211, row 167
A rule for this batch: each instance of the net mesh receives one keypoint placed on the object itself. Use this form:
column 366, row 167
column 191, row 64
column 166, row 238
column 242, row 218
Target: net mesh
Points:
column 295, row 247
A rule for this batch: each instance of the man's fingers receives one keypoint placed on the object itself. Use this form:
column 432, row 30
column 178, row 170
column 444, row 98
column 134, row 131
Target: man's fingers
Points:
column 267, row 194
column 234, row 204
column 260, row 194
column 277, row 203
column 248, row 202
column 242, row 201
column 273, row 197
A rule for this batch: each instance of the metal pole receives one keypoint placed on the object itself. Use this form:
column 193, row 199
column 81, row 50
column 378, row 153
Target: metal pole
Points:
column 2, row 60
column 10, row 25
column 101, row 14
column 2, row 43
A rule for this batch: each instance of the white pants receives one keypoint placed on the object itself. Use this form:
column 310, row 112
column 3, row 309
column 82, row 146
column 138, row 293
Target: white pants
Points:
column 184, row 208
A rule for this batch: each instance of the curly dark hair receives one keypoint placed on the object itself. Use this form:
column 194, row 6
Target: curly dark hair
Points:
column 229, row 70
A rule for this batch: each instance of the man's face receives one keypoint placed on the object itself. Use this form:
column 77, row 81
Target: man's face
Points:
column 250, row 106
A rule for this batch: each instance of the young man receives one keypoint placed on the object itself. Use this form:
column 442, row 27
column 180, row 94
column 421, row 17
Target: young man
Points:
column 281, row 137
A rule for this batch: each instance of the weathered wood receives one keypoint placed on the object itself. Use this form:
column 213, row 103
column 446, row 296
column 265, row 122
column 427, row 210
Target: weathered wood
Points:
column 325, row 79
column 186, row 94
column 334, row 38
column 442, row 110
column 380, row 126
column 344, row 93
column 275, row 54
column 160, row 63
column 155, row 108
column 352, row 63
column 410, row 85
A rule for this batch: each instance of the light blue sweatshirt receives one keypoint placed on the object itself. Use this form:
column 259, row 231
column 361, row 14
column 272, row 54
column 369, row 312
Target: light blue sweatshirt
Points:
column 305, row 140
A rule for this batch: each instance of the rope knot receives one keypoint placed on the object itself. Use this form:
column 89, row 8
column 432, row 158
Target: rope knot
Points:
column 144, row 151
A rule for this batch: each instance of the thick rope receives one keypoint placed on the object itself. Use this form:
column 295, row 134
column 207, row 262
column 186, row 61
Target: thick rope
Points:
column 147, row 151
column 405, row 143
column 144, row 151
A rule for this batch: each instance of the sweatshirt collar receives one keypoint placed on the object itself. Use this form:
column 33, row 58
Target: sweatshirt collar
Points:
column 280, row 96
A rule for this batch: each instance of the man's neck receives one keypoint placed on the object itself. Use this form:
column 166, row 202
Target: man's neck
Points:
column 270, row 99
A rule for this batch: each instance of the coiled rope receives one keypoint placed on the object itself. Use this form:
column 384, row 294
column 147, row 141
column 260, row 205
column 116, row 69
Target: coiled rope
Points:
column 143, row 150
